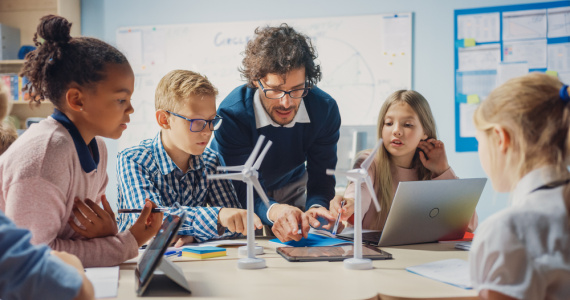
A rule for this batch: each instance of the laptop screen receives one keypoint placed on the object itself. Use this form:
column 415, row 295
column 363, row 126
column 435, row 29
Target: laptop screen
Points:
column 154, row 252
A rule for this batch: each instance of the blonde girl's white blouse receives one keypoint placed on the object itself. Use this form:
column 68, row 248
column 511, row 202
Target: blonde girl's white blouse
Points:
column 524, row 250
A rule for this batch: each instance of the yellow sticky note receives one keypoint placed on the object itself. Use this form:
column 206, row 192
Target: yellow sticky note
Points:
column 473, row 99
column 552, row 73
column 469, row 42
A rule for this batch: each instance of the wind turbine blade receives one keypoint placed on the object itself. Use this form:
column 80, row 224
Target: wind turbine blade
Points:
column 338, row 173
column 368, row 161
column 262, row 155
column 251, row 158
column 260, row 191
column 232, row 168
column 234, row 176
column 370, row 187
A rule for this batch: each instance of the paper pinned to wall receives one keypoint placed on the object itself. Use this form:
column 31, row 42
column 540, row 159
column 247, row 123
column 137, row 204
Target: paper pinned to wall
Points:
column 531, row 51
column 564, row 77
column 558, row 22
column 130, row 43
column 395, row 35
column 559, row 57
column 484, row 57
column 506, row 71
column 467, row 126
column 481, row 27
column 480, row 83
column 524, row 24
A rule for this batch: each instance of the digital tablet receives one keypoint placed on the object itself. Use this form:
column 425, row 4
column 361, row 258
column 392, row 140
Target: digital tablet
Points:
column 329, row 253
column 154, row 252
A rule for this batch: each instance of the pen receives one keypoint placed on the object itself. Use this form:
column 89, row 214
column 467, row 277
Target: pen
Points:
column 335, row 228
column 138, row 211
column 172, row 253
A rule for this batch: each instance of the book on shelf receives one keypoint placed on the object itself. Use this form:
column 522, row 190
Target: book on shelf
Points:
column 15, row 83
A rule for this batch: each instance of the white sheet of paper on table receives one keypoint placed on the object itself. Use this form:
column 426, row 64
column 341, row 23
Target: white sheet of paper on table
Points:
column 105, row 281
column 451, row 271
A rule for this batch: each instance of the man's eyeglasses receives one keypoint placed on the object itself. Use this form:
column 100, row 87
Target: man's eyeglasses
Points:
column 278, row 94
column 197, row 125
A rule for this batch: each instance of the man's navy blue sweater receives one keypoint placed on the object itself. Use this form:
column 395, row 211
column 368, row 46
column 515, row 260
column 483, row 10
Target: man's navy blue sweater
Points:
column 312, row 143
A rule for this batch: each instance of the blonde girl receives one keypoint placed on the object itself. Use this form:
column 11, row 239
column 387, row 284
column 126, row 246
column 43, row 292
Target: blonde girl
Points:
column 410, row 152
column 523, row 252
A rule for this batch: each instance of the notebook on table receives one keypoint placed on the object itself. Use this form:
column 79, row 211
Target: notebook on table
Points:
column 427, row 211
column 312, row 240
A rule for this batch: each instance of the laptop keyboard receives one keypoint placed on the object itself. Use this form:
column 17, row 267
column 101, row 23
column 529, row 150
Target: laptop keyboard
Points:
column 371, row 237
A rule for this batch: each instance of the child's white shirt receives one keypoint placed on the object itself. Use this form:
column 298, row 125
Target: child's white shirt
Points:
column 524, row 250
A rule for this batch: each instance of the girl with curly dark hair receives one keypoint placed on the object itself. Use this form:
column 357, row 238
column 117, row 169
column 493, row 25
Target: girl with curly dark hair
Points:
column 53, row 177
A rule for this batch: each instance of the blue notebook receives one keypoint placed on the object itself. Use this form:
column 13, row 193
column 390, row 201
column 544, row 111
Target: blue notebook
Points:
column 313, row 240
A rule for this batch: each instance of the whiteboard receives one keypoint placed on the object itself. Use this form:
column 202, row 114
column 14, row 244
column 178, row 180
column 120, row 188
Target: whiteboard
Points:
column 363, row 59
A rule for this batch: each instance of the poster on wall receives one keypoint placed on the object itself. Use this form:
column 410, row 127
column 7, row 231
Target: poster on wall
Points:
column 495, row 44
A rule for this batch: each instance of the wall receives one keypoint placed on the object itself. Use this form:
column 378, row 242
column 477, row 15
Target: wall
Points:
column 432, row 58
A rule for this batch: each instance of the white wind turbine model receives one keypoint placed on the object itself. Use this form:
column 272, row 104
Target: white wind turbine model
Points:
column 248, row 174
column 360, row 176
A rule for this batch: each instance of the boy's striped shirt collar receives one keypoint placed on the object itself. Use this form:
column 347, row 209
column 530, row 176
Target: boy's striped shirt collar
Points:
column 165, row 163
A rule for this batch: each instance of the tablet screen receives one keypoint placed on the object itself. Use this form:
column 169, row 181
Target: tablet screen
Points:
column 332, row 253
column 154, row 252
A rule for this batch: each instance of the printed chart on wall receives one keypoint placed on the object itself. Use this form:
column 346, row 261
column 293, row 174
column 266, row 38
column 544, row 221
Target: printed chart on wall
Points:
column 495, row 44
column 363, row 59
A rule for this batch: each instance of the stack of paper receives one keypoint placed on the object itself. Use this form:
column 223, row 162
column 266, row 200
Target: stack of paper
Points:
column 203, row 252
column 463, row 246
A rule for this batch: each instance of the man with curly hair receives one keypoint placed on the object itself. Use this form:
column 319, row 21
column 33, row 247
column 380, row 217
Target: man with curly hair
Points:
column 281, row 102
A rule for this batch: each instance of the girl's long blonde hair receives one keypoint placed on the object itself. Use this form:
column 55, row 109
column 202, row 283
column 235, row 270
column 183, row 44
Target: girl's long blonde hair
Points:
column 383, row 177
column 530, row 109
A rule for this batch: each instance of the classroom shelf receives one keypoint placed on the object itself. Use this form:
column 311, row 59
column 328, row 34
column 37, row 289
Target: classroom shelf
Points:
column 11, row 66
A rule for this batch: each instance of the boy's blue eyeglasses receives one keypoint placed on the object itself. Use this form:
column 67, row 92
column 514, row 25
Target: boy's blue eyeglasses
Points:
column 197, row 125
column 278, row 94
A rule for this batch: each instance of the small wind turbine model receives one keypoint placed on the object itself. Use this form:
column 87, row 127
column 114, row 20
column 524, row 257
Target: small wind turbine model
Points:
column 248, row 174
column 360, row 176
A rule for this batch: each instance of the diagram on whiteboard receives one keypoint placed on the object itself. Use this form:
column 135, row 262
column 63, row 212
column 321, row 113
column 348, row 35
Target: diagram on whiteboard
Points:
column 360, row 67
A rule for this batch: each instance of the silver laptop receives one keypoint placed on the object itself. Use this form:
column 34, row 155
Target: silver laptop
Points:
column 427, row 211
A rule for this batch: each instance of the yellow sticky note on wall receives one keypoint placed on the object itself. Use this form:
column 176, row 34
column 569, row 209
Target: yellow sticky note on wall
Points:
column 473, row 99
column 469, row 42
column 552, row 73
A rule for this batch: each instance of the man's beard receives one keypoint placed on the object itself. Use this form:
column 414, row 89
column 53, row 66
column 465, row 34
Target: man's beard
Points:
column 281, row 108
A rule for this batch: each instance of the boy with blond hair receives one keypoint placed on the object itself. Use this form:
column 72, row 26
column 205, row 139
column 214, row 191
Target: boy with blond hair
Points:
column 173, row 166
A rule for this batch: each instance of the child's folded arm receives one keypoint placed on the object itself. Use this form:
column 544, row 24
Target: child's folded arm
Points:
column 41, row 207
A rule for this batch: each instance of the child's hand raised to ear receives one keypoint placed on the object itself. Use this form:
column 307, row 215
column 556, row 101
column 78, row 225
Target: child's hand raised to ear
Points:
column 433, row 156
column 97, row 222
